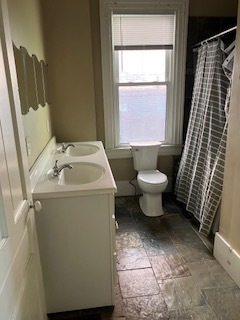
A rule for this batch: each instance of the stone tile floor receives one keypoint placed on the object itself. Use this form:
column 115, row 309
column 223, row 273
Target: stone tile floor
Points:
column 165, row 270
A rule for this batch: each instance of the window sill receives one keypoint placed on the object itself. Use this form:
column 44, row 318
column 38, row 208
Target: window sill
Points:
column 124, row 153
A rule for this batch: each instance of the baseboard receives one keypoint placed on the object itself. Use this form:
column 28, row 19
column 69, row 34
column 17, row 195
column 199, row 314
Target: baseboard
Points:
column 126, row 189
column 227, row 257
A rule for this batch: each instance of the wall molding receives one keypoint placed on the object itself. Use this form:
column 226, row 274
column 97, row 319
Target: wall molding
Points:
column 227, row 257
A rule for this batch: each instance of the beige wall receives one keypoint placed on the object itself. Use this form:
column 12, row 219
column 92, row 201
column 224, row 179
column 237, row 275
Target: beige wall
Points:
column 230, row 211
column 26, row 29
column 26, row 25
column 97, row 67
column 67, row 36
column 123, row 168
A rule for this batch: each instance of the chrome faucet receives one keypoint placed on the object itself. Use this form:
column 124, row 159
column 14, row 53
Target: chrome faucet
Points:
column 57, row 170
column 65, row 146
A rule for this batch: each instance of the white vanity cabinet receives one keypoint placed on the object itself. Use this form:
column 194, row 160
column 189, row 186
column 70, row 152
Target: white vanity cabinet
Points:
column 76, row 229
column 77, row 248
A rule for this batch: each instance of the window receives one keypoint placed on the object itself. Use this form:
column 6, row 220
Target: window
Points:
column 143, row 61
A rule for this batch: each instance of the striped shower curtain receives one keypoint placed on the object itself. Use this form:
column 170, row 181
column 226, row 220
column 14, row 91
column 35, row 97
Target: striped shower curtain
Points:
column 200, row 175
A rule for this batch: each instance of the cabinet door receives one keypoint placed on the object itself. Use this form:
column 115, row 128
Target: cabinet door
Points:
column 21, row 288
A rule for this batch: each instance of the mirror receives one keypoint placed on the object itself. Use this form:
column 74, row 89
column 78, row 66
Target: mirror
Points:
column 39, row 81
column 31, row 75
column 31, row 87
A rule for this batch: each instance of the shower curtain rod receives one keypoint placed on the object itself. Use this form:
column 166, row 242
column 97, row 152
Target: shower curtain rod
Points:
column 216, row 36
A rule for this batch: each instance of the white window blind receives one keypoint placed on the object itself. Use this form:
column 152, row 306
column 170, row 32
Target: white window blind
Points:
column 136, row 32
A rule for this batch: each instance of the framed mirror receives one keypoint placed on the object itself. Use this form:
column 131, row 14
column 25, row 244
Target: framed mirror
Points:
column 32, row 80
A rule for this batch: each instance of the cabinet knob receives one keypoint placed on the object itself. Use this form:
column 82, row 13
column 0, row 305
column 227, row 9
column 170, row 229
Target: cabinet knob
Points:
column 37, row 206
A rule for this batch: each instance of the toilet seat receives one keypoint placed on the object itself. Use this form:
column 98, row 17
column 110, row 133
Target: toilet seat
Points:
column 152, row 177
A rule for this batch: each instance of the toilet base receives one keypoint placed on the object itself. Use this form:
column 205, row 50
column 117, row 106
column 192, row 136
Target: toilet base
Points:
column 151, row 204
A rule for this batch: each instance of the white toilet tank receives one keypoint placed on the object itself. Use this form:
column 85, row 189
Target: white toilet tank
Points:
column 145, row 155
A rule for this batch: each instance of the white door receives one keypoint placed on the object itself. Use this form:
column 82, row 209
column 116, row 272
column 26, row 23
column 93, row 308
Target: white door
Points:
column 21, row 287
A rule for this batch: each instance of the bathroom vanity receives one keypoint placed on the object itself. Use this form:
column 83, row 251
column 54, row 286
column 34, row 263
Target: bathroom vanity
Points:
column 76, row 230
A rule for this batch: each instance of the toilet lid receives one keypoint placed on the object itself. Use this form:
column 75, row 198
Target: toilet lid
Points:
column 152, row 176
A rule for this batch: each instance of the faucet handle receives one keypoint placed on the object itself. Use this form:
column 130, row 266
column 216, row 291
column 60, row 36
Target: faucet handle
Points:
column 63, row 147
column 55, row 169
column 55, row 165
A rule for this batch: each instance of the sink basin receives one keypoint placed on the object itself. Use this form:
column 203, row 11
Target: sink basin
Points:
column 82, row 150
column 81, row 173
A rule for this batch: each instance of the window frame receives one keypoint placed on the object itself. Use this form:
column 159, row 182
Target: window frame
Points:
column 174, row 115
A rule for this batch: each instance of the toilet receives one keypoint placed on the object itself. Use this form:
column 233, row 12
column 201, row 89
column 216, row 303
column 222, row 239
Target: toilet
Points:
column 151, row 181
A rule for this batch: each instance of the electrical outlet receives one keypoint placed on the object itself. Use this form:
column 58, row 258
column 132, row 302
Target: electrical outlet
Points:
column 28, row 145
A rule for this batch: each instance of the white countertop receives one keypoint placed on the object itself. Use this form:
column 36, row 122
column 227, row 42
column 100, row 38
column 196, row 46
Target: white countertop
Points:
column 43, row 188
